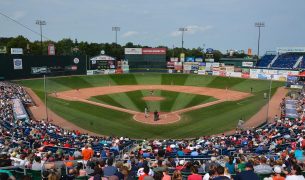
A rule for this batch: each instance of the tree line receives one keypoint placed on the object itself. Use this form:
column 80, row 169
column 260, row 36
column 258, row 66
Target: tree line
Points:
column 68, row 46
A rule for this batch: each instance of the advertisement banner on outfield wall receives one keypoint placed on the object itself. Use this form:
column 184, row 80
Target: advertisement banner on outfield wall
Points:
column 229, row 68
column 170, row 65
column 17, row 64
column 16, row 51
column 222, row 73
column 174, row 59
column 178, row 66
column 215, row 64
column 187, row 67
column 233, row 74
column 182, row 57
column 201, row 72
column 153, row 51
column 247, row 64
column 215, row 73
column 208, row 66
column 245, row 75
column 133, row 50
column 198, row 59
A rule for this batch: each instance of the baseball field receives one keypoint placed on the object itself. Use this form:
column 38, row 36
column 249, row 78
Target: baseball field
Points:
column 189, row 105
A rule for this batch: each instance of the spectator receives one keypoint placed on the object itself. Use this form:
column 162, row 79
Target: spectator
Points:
column 145, row 173
column 37, row 166
column 110, row 170
column 177, row 175
column 194, row 174
column 295, row 174
column 263, row 168
column 220, row 174
column 230, row 165
column 277, row 173
column 248, row 174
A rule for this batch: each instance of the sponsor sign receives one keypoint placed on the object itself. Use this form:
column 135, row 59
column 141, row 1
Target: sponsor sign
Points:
column 247, row 64
column 190, row 59
column 173, row 59
column 229, row 68
column 290, row 49
column 201, row 72
column 16, row 51
column 215, row 64
column 170, row 65
column 39, row 70
column 90, row 72
column 51, row 50
column 3, row 50
column 178, row 66
column 103, row 58
column 76, row 60
column 187, row 67
column 17, row 63
column 133, row 50
column 198, row 59
column 182, row 57
column 215, row 73
column 245, row 75
column 153, row 50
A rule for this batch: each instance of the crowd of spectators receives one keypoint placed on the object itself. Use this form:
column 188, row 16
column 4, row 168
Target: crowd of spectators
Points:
column 273, row 151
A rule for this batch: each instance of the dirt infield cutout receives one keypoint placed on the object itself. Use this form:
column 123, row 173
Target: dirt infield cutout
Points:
column 165, row 118
column 153, row 98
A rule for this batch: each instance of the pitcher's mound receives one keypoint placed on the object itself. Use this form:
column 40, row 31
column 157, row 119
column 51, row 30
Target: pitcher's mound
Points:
column 153, row 98
column 165, row 118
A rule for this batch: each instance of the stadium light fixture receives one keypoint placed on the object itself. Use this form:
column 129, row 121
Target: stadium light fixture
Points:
column 259, row 25
column 41, row 23
column 183, row 29
column 116, row 29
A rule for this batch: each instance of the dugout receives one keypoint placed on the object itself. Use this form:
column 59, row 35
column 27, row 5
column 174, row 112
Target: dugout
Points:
column 146, row 58
column 18, row 66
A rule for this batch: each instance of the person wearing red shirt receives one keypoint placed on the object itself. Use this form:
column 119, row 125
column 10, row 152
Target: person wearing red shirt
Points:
column 194, row 175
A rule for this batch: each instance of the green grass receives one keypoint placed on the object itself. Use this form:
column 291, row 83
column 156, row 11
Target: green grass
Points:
column 210, row 120
column 173, row 100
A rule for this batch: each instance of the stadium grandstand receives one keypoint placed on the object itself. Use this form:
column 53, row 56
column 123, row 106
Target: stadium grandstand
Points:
column 284, row 58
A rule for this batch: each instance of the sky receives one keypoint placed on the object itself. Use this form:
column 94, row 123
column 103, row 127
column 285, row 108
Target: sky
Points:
column 217, row 24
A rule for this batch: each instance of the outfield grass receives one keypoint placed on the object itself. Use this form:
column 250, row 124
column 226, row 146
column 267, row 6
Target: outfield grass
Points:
column 210, row 120
column 134, row 100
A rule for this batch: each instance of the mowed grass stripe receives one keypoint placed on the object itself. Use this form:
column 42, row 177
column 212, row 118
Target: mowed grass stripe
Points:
column 174, row 79
column 123, row 79
column 198, row 80
column 154, row 78
column 99, row 80
column 223, row 83
column 73, row 82
column 106, row 99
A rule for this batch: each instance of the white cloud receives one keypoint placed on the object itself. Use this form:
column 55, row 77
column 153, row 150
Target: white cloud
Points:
column 130, row 34
column 192, row 29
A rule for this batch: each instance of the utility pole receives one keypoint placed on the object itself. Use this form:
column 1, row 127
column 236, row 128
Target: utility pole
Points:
column 182, row 30
column 116, row 29
column 41, row 23
column 259, row 25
